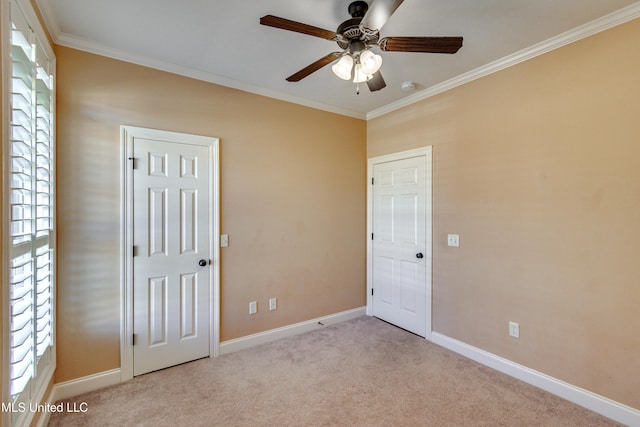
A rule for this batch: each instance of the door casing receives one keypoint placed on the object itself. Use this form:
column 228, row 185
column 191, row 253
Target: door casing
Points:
column 127, row 135
column 427, row 153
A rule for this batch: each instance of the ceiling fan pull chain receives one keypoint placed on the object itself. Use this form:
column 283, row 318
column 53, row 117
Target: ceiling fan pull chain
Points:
column 357, row 88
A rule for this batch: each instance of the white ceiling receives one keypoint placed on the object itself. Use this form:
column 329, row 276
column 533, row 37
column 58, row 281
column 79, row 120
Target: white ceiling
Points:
column 222, row 41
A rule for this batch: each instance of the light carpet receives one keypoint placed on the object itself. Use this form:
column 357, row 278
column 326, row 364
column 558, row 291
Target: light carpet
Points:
column 363, row 372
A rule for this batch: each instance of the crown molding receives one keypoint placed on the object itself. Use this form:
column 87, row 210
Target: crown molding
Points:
column 606, row 22
column 78, row 43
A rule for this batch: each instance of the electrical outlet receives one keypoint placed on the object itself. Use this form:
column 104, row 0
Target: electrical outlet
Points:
column 273, row 304
column 514, row 329
column 253, row 307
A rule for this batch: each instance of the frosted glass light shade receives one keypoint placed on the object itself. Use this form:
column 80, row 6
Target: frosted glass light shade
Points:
column 371, row 62
column 359, row 75
column 343, row 67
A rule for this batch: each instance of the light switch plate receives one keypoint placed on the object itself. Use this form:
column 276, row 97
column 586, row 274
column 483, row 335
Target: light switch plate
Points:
column 453, row 240
column 224, row 240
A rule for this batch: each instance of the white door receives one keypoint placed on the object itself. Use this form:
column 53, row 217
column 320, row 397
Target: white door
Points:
column 171, row 263
column 401, row 255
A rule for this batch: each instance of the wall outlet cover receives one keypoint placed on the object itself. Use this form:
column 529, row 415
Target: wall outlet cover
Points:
column 514, row 330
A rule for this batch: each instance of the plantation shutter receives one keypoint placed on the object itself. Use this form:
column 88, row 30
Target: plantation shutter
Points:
column 31, row 264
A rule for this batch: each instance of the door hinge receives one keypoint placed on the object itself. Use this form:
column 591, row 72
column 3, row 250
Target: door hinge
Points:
column 134, row 251
column 371, row 181
column 371, row 291
column 133, row 162
column 371, row 236
column 134, row 339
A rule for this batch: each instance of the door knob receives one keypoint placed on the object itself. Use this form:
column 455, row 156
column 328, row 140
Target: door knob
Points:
column 419, row 255
column 202, row 262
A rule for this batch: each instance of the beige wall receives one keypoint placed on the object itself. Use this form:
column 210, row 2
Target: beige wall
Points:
column 537, row 168
column 292, row 201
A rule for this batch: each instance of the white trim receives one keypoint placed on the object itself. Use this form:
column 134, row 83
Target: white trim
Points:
column 214, row 249
column 43, row 421
column 74, row 42
column 100, row 380
column 249, row 341
column 417, row 152
column 126, row 264
column 27, row 417
column 78, row 386
column 611, row 20
column 5, row 75
column 127, row 133
column 45, row 377
column 34, row 23
column 592, row 401
column 606, row 22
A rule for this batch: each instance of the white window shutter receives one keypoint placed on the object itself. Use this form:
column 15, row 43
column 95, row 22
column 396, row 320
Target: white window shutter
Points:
column 31, row 199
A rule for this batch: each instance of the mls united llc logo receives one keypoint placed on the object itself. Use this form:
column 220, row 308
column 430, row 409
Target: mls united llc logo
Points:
column 21, row 407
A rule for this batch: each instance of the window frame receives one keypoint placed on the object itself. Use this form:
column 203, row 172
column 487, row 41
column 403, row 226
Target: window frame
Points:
column 43, row 379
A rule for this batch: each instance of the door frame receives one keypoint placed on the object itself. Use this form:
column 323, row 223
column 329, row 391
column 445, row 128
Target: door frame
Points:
column 402, row 155
column 127, row 135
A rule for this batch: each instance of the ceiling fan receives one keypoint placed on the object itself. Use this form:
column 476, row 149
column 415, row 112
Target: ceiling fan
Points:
column 356, row 37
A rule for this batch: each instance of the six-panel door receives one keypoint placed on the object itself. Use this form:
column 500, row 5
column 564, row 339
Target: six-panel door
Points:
column 399, row 243
column 171, row 230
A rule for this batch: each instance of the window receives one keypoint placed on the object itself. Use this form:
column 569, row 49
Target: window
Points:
column 28, row 146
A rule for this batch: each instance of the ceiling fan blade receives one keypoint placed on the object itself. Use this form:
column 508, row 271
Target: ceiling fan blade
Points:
column 314, row 67
column 378, row 14
column 421, row 44
column 298, row 27
column 376, row 82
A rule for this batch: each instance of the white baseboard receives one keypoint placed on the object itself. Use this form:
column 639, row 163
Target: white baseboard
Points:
column 86, row 384
column 609, row 408
column 248, row 341
column 592, row 401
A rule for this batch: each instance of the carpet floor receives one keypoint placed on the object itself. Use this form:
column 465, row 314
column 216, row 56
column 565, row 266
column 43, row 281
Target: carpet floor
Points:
column 362, row 372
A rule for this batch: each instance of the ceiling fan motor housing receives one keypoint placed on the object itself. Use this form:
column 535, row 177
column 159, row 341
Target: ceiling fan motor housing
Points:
column 356, row 46
column 351, row 35
column 358, row 9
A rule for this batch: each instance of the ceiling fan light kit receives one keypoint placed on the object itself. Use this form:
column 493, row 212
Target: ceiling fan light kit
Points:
column 359, row 76
column 367, row 64
column 356, row 37
column 370, row 62
column 343, row 67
